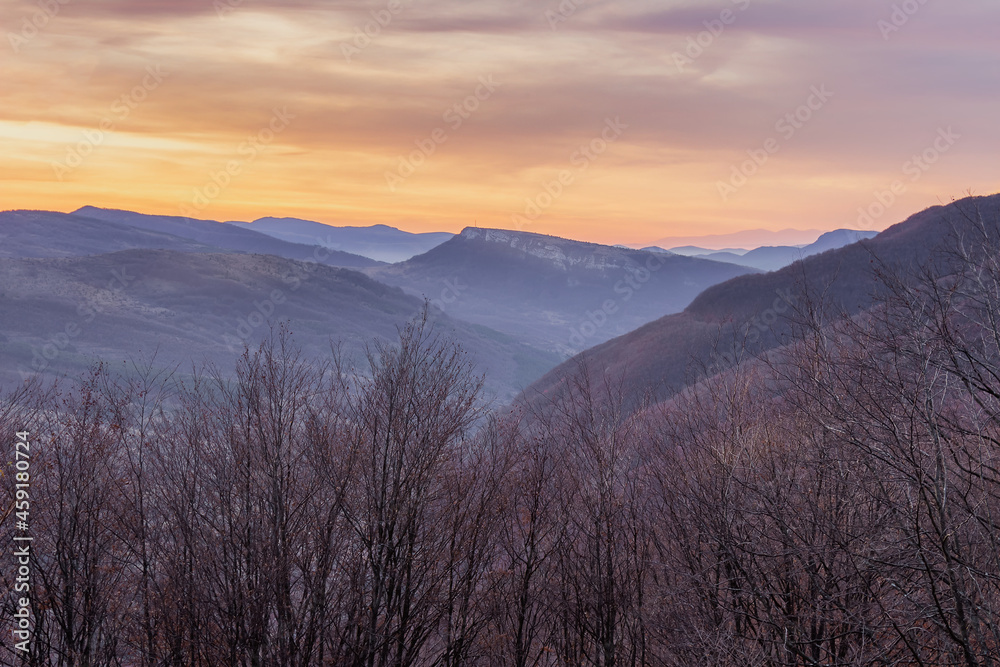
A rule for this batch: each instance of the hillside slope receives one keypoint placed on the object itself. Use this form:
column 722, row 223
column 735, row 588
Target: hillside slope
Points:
column 60, row 314
column 378, row 242
column 553, row 293
column 226, row 237
column 772, row 258
column 754, row 313
column 49, row 234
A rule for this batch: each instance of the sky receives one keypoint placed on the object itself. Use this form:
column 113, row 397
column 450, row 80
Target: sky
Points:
column 615, row 122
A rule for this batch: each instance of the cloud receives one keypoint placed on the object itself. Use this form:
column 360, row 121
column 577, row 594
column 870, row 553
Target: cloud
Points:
column 356, row 116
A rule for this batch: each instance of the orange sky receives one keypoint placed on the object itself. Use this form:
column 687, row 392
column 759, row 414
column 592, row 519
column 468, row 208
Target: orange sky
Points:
column 249, row 108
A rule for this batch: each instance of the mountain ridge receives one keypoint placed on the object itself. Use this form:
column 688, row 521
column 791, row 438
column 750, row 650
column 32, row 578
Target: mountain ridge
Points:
column 744, row 238
column 226, row 237
column 772, row 258
column 194, row 307
column 379, row 242
column 750, row 314
column 32, row 233
column 558, row 294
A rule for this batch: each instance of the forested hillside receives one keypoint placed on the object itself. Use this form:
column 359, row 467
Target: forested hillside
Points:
column 832, row 503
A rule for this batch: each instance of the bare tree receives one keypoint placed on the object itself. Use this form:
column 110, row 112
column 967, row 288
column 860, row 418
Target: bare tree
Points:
column 79, row 563
column 526, row 571
column 408, row 422
column 603, row 537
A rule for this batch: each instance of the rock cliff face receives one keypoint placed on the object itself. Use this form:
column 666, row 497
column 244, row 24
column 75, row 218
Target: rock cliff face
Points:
column 537, row 245
column 561, row 253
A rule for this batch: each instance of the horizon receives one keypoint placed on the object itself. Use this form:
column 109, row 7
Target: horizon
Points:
column 750, row 238
column 644, row 120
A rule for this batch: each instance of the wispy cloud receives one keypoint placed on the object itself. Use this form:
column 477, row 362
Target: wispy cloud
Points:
column 354, row 117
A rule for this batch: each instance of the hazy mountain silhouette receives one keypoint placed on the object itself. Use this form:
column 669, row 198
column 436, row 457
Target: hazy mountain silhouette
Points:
column 551, row 292
column 226, row 237
column 747, row 238
column 755, row 312
column 49, row 234
column 695, row 251
column 196, row 290
column 379, row 242
column 772, row 258
column 190, row 307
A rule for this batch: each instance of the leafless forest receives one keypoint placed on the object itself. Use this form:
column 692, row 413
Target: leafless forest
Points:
column 834, row 503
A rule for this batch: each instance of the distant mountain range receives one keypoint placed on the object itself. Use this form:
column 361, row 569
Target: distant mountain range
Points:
column 748, row 238
column 772, row 258
column 378, row 242
column 48, row 234
column 553, row 293
column 751, row 314
column 230, row 238
column 100, row 282
column 696, row 251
